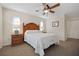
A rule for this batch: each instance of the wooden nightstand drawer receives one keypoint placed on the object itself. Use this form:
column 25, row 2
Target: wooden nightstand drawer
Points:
column 17, row 39
column 17, row 42
column 17, row 36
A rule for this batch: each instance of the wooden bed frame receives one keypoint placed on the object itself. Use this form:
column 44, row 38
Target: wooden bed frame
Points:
column 30, row 26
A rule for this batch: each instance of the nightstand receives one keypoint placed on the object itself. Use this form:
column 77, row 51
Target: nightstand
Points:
column 17, row 39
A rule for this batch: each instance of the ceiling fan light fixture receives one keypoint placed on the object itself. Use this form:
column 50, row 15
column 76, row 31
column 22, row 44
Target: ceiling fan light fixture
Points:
column 46, row 11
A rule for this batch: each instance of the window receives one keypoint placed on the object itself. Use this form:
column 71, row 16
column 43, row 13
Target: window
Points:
column 16, row 24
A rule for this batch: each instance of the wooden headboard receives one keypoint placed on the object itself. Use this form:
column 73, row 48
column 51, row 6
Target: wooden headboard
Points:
column 30, row 26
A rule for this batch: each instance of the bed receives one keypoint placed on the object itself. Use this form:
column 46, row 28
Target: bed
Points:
column 37, row 39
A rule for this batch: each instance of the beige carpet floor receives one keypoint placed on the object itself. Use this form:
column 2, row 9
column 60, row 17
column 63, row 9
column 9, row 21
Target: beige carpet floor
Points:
column 67, row 48
column 18, row 50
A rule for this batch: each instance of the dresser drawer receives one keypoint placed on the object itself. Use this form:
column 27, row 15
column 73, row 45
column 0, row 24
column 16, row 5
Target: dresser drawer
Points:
column 17, row 39
column 16, row 42
column 17, row 36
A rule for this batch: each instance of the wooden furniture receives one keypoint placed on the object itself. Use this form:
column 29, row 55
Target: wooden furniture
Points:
column 17, row 39
column 30, row 26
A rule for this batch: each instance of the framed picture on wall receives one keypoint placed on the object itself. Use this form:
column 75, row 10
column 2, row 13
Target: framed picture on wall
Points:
column 55, row 23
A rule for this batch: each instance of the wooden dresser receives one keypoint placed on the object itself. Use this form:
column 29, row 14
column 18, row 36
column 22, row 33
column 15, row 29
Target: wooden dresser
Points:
column 17, row 39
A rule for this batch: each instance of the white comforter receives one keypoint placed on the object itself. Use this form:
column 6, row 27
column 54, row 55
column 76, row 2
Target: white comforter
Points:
column 40, row 41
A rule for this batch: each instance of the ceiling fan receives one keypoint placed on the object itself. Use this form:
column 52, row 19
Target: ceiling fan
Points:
column 47, row 8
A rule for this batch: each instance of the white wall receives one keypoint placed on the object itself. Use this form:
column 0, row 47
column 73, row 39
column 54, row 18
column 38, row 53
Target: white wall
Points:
column 59, row 31
column 8, row 16
column 1, row 32
column 73, row 28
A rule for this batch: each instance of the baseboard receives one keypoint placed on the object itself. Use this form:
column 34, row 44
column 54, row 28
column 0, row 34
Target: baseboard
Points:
column 63, row 40
column 7, row 44
column 72, row 38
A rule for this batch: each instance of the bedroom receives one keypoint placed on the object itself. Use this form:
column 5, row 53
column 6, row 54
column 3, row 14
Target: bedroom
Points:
column 65, row 16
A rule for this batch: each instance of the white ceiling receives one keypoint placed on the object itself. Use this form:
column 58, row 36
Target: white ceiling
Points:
column 71, row 9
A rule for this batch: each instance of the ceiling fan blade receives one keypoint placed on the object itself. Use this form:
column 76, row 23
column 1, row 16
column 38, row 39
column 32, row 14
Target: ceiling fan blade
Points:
column 44, row 3
column 46, row 6
column 52, row 11
column 56, row 5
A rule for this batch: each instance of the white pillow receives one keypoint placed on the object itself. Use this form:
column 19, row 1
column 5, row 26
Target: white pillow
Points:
column 32, row 31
